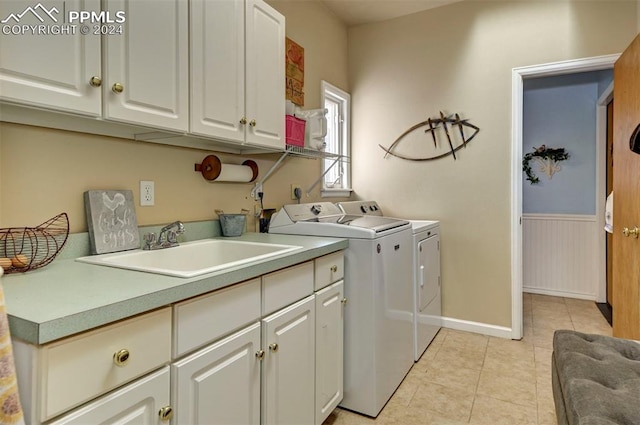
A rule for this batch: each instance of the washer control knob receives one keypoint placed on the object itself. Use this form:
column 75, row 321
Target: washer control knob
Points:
column 316, row 209
column 363, row 209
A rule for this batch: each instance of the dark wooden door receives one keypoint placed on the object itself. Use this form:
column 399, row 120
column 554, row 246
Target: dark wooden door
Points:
column 626, row 189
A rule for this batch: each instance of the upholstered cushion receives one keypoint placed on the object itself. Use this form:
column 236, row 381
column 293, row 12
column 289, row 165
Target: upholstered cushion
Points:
column 598, row 378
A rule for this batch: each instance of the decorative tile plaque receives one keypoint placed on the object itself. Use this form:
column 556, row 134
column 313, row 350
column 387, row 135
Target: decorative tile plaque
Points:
column 111, row 220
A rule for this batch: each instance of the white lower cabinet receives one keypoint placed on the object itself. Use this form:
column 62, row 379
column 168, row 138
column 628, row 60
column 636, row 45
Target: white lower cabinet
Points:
column 329, row 349
column 143, row 402
column 237, row 360
column 57, row 377
column 220, row 384
column 289, row 365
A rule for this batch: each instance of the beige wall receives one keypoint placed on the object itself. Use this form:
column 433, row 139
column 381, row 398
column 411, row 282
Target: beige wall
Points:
column 324, row 39
column 459, row 58
column 44, row 172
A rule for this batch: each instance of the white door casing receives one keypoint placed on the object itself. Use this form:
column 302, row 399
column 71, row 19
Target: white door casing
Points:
column 517, row 75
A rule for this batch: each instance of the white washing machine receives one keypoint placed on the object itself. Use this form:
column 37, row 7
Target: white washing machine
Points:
column 427, row 304
column 378, row 336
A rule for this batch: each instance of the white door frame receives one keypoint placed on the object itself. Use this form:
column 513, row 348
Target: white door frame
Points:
column 517, row 76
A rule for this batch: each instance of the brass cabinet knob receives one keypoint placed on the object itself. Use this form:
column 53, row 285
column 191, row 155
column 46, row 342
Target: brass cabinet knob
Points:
column 344, row 301
column 252, row 123
column 334, row 269
column 165, row 413
column 243, row 120
column 273, row 347
column 95, row 81
column 117, row 88
column 631, row 232
column 260, row 354
column 121, row 357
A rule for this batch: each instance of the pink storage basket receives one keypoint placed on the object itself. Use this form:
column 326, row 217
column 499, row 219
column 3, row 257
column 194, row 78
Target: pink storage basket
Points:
column 295, row 131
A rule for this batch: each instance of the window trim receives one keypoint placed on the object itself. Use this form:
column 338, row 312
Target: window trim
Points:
column 329, row 90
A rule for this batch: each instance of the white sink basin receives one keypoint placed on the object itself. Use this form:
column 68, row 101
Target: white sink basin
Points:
column 191, row 258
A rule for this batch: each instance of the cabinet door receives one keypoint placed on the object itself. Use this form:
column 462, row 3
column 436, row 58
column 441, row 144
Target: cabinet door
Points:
column 54, row 70
column 329, row 349
column 217, row 69
column 138, row 403
column 289, row 366
column 220, row 385
column 264, row 75
column 150, row 63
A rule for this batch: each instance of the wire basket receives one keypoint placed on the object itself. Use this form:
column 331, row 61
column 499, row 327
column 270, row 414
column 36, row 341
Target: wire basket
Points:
column 28, row 248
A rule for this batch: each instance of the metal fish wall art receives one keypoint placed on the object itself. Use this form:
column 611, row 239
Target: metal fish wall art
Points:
column 448, row 124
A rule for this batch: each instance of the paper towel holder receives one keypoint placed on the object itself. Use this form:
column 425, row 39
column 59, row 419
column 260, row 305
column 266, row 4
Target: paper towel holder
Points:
column 212, row 168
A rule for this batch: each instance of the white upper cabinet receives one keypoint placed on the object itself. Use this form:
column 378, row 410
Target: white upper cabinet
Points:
column 217, row 68
column 208, row 68
column 237, row 72
column 49, row 70
column 140, row 76
column 264, row 75
column 146, row 69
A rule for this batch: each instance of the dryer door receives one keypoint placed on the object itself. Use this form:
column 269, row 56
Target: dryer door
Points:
column 428, row 270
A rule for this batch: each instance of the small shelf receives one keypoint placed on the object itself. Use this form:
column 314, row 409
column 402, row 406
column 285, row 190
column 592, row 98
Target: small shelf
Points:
column 301, row 152
column 311, row 153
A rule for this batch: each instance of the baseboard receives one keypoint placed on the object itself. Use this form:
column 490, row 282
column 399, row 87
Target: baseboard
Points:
column 476, row 327
column 555, row 293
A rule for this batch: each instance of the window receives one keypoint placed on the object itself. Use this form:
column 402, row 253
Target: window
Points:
column 337, row 174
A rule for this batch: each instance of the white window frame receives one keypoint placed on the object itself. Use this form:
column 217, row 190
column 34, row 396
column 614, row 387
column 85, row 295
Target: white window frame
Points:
column 333, row 93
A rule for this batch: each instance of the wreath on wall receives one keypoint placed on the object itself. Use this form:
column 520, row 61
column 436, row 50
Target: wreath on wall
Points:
column 547, row 158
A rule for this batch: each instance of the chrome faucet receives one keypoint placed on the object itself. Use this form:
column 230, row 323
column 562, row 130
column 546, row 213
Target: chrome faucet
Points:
column 167, row 238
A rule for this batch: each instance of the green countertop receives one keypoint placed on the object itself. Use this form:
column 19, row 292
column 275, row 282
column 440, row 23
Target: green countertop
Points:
column 67, row 297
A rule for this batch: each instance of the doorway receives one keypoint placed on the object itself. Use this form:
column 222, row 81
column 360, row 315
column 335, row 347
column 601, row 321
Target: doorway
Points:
column 605, row 298
column 518, row 75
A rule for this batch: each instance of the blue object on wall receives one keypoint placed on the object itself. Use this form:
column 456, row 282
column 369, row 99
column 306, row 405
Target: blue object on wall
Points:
column 559, row 112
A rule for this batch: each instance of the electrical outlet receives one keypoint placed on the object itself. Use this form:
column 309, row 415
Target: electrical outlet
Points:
column 295, row 186
column 147, row 194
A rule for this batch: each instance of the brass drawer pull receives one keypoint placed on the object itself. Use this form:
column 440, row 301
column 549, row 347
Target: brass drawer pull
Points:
column 273, row 347
column 252, row 123
column 95, row 81
column 121, row 357
column 260, row 354
column 166, row 413
column 243, row 120
column 117, row 88
column 334, row 269
column 344, row 301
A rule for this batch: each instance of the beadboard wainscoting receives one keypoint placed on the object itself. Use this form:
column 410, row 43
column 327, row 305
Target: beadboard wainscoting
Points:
column 560, row 255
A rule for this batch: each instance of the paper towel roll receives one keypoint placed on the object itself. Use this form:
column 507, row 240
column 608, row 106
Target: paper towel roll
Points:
column 214, row 170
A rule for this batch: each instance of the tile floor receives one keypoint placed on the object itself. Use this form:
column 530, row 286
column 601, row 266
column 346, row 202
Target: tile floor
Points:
column 467, row 378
